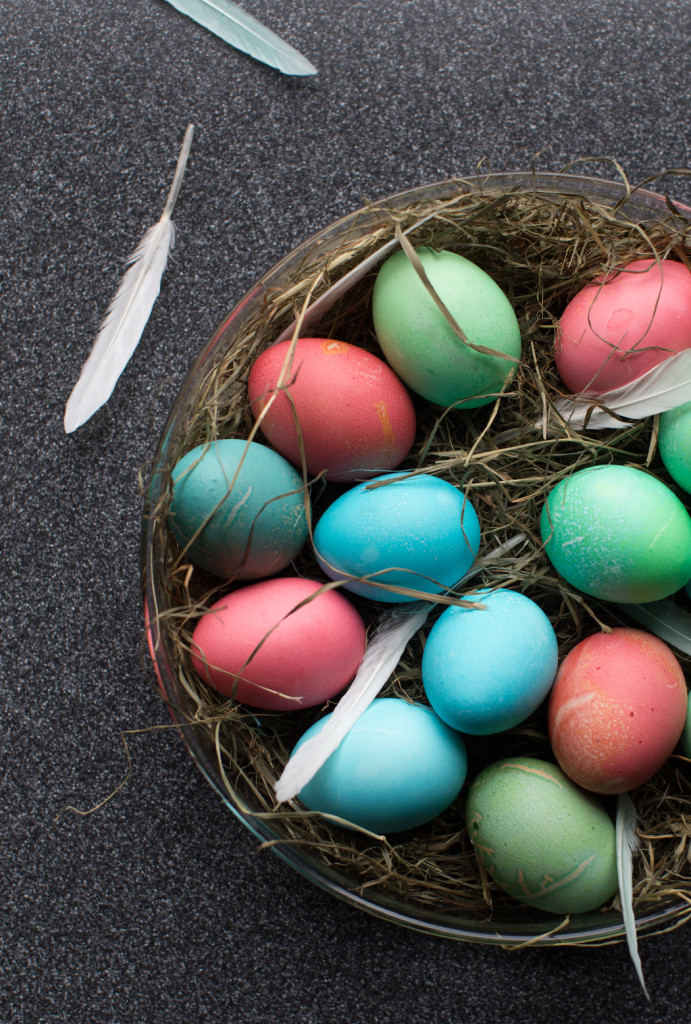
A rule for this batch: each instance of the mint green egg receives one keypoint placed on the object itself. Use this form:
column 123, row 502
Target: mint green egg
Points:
column 541, row 838
column 617, row 533
column 674, row 443
column 685, row 741
column 421, row 346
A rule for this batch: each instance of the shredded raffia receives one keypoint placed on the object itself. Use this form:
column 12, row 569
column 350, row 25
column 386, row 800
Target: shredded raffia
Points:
column 540, row 246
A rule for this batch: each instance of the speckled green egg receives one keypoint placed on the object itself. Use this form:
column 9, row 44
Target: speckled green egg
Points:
column 238, row 508
column 541, row 838
column 421, row 346
column 674, row 444
column 617, row 533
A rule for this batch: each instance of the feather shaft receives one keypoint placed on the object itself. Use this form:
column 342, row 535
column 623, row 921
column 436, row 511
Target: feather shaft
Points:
column 236, row 27
column 665, row 387
column 129, row 311
column 626, row 843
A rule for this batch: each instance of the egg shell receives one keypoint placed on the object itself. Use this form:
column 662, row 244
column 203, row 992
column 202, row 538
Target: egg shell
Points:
column 486, row 669
column 617, row 709
column 541, row 838
column 623, row 324
column 421, row 346
column 617, row 533
column 356, row 417
column 397, row 768
column 239, row 509
column 674, row 444
column 257, row 646
column 418, row 532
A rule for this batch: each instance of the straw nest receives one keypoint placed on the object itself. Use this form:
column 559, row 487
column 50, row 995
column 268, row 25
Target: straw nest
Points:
column 541, row 247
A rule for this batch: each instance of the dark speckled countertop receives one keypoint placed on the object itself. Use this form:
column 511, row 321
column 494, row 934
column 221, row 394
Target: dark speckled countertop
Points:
column 157, row 907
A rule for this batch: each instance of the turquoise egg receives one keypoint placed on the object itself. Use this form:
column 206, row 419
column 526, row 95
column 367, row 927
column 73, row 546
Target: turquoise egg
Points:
column 240, row 507
column 487, row 669
column 418, row 532
column 674, row 444
column 618, row 533
column 421, row 346
column 541, row 838
column 685, row 741
column 397, row 768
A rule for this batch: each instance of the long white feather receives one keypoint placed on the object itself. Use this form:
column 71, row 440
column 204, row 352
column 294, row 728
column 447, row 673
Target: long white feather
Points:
column 665, row 387
column 393, row 632
column 238, row 28
column 627, row 842
column 665, row 619
column 129, row 311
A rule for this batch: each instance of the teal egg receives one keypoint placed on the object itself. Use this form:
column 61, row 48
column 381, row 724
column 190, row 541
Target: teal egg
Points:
column 674, row 444
column 398, row 767
column 421, row 346
column 417, row 532
column 541, row 838
column 487, row 669
column 685, row 741
column 239, row 509
column 617, row 533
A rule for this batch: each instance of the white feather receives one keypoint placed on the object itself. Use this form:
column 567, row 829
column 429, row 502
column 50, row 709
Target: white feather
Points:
column 666, row 386
column 627, row 841
column 380, row 659
column 665, row 619
column 393, row 632
column 128, row 313
column 238, row 28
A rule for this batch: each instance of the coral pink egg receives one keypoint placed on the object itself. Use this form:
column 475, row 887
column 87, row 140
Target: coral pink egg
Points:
column 252, row 646
column 617, row 709
column 623, row 324
column 356, row 417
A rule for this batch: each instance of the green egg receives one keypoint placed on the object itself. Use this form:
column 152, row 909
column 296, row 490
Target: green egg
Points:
column 674, row 443
column 617, row 533
column 685, row 741
column 421, row 346
column 541, row 838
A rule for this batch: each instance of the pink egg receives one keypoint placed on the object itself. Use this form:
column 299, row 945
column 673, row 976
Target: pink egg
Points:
column 623, row 324
column 356, row 416
column 250, row 647
column 617, row 710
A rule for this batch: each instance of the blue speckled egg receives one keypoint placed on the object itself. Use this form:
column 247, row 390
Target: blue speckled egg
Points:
column 418, row 532
column 240, row 507
column 397, row 768
column 487, row 669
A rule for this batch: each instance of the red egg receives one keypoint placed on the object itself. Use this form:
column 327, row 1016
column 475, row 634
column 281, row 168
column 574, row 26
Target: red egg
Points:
column 623, row 324
column 253, row 646
column 356, row 417
column 617, row 710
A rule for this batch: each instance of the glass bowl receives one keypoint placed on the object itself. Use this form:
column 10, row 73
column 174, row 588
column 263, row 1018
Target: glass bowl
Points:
column 526, row 925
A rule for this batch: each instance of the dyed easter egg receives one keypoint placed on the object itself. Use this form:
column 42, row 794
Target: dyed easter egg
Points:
column 418, row 532
column 275, row 645
column 617, row 533
column 238, row 508
column 421, row 346
column 617, row 709
column 623, row 324
column 397, row 768
column 685, row 741
column 541, row 838
column 674, row 444
column 487, row 669
column 356, row 418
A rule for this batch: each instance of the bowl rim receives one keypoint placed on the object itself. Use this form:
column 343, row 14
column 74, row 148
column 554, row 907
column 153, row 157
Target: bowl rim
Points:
column 583, row 929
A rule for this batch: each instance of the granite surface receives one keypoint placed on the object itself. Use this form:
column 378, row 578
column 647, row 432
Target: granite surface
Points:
column 157, row 908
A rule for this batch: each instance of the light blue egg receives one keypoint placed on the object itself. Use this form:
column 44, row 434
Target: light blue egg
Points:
column 418, row 532
column 397, row 768
column 240, row 507
column 487, row 669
